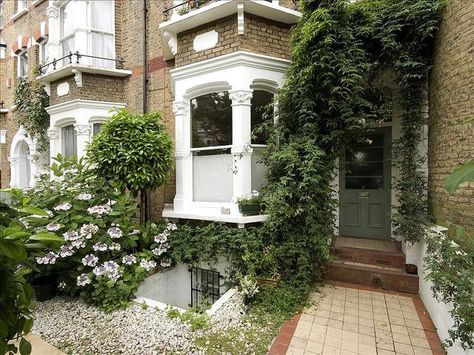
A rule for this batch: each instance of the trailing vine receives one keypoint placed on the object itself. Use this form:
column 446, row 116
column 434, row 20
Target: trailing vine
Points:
column 31, row 100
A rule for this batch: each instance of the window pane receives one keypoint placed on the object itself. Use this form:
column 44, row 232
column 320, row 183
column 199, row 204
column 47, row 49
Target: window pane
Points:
column 23, row 65
column 69, row 143
column 258, row 169
column 71, row 17
column 261, row 101
column 211, row 117
column 103, row 46
column 68, row 46
column 96, row 127
column 103, row 15
column 212, row 176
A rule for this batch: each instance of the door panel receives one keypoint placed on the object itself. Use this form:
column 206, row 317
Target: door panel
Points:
column 364, row 194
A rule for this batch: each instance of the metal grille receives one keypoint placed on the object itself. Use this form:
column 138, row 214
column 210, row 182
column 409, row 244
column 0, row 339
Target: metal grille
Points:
column 204, row 286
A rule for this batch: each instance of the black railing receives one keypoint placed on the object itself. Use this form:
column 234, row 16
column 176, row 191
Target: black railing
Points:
column 205, row 286
column 185, row 7
column 69, row 58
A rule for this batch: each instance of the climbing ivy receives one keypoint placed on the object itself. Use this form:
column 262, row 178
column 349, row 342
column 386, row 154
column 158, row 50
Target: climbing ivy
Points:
column 31, row 100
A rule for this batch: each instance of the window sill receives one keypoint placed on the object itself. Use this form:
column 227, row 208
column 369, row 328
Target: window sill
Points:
column 198, row 214
column 4, row 110
column 18, row 15
column 73, row 69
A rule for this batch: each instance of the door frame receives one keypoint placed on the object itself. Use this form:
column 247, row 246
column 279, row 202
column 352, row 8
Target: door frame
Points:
column 387, row 185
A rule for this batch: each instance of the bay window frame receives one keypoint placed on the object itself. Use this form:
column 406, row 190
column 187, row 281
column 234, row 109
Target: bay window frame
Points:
column 83, row 34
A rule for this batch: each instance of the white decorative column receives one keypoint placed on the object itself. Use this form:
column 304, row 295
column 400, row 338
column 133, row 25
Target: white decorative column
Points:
column 184, row 160
column 14, row 178
column 83, row 134
column 54, row 25
column 241, row 150
column 54, row 146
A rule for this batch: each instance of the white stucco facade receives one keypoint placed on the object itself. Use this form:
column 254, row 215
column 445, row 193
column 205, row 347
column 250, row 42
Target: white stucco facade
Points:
column 25, row 163
column 81, row 114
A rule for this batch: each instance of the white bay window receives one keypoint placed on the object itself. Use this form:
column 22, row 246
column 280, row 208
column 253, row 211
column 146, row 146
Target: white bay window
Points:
column 87, row 27
column 218, row 103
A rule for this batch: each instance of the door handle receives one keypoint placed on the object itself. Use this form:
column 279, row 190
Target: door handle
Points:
column 363, row 195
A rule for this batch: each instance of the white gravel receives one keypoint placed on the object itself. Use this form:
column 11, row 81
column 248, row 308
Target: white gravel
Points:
column 78, row 328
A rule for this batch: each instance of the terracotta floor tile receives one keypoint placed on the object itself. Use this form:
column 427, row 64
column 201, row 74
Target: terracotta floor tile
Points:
column 278, row 349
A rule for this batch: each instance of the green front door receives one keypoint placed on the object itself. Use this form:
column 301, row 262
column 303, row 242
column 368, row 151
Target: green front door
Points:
column 364, row 194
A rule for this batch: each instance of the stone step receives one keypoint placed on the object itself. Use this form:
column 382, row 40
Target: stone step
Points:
column 387, row 278
column 369, row 256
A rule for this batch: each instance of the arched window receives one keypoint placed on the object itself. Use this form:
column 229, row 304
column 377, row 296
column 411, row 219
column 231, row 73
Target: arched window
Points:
column 68, row 141
column 24, row 165
column 211, row 142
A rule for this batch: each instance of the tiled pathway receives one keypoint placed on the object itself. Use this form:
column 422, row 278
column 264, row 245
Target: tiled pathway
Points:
column 352, row 320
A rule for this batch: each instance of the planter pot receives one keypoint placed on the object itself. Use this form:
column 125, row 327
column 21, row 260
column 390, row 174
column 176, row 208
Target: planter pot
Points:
column 44, row 287
column 250, row 210
column 411, row 269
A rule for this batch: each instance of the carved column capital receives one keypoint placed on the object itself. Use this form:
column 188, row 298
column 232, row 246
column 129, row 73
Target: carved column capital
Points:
column 82, row 129
column 180, row 108
column 52, row 11
column 240, row 97
column 53, row 133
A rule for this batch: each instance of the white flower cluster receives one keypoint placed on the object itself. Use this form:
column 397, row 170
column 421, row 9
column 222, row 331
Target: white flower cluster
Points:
column 83, row 280
column 115, row 246
column 50, row 258
column 114, row 232
column 90, row 260
column 71, row 235
column 147, row 264
column 109, row 269
column 63, row 207
column 99, row 210
column 84, row 196
column 53, row 227
column 87, row 230
column 65, row 251
column 100, row 247
column 129, row 259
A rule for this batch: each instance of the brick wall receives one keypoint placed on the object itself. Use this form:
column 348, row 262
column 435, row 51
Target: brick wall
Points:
column 94, row 87
column 451, row 138
column 25, row 25
column 260, row 36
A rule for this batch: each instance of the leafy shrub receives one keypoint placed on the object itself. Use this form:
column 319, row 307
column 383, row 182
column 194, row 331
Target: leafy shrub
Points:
column 105, row 255
column 17, row 244
column 134, row 151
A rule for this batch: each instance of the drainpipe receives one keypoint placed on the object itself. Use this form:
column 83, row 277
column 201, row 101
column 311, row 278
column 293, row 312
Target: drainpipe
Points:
column 144, row 195
column 145, row 54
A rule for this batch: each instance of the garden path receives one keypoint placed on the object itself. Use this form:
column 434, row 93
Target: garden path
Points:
column 349, row 319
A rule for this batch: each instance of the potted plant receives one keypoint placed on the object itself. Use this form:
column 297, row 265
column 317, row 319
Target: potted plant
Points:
column 250, row 205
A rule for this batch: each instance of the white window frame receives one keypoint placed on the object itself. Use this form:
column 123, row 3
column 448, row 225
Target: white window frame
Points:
column 88, row 30
column 19, row 67
column 24, row 5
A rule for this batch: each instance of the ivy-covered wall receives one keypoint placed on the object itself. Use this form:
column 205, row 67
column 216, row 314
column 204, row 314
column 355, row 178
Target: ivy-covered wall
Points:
column 451, row 137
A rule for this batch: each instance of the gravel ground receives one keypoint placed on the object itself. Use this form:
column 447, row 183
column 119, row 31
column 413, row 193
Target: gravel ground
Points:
column 78, row 328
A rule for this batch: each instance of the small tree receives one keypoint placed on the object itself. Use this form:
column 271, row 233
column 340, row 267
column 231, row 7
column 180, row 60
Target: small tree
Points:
column 135, row 151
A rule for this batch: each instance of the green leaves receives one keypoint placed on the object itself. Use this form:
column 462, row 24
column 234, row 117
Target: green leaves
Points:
column 25, row 347
column 464, row 173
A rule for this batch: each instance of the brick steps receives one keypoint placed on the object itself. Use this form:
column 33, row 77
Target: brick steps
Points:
column 375, row 268
column 387, row 278
column 366, row 256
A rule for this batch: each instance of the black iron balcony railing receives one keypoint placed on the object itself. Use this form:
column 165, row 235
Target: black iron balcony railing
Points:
column 184, row 7
column 68, row 58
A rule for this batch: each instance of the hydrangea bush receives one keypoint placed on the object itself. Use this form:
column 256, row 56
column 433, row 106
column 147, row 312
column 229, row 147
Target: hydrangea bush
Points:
column 105, row 254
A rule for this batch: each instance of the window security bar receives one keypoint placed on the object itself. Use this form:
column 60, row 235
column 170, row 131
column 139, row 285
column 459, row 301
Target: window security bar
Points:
column 78, row 56
column 205, row 286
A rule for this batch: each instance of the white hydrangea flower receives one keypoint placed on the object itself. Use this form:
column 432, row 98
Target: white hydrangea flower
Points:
column 83, row 280
column 90, row 260
column 84, row 196
column 100, row 247
column 63, row 207
column 114, row 232
column 53, row 227
column 129, row 259
column 87, row 230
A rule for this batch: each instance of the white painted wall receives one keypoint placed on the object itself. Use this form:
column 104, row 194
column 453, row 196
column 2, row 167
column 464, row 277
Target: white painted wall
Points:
column 173, row 286
column 439, row 312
